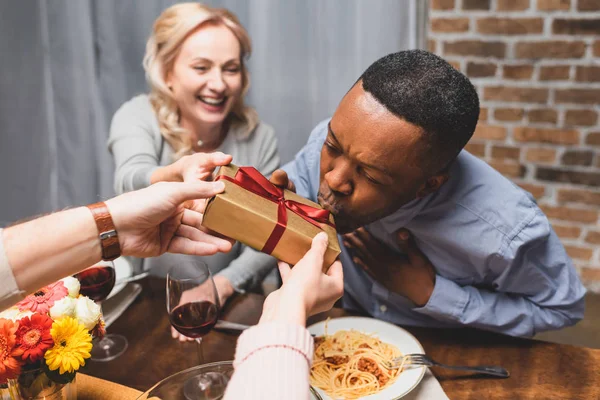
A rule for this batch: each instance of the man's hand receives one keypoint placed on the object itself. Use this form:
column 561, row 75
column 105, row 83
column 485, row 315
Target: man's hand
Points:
column 412, row 276
column 280, row 179
column 166, row 216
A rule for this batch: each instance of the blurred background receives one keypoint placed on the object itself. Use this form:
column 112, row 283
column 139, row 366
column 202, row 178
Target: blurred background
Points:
column 66, row 66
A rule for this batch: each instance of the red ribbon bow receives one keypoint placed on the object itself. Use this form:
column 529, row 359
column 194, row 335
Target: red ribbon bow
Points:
column 252, row 180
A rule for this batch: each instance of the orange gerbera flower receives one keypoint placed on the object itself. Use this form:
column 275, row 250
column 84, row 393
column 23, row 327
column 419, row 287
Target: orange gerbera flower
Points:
column 10, row 367
column 99, row 330
column 33, row 336
column 42, row 300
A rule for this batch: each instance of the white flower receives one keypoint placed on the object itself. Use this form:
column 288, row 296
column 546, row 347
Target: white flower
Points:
column 87, row 312
column 64, row 307
column 72, row 285
column 14, row 314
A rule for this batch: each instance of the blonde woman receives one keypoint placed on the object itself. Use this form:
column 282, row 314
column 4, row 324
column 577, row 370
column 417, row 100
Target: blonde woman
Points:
column 195, row 67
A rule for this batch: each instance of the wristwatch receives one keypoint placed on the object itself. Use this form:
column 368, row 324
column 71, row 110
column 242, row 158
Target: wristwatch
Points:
column 109, row 239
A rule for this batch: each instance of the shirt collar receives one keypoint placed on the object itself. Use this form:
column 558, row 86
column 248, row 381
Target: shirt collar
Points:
column 402, row 216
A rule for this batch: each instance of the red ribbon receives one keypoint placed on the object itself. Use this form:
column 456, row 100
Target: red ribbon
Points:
column 252, row 180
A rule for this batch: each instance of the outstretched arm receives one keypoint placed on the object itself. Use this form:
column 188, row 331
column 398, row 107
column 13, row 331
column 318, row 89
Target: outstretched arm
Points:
column 273, row 359
column 149, row 222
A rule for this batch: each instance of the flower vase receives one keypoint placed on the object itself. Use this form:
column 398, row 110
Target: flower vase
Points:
column 35, row 384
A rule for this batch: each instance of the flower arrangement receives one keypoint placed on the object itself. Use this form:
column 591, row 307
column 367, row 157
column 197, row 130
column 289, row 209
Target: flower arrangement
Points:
column 46, row 338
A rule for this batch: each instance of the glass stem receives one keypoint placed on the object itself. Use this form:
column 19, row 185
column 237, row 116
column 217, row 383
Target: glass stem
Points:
column 199, row 351
column 104, row 341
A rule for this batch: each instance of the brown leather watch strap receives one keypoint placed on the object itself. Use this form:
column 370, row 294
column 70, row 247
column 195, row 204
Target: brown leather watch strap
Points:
column 106, row 230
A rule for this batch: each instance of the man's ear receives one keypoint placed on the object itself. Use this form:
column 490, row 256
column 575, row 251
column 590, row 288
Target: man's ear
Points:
column 432, row 184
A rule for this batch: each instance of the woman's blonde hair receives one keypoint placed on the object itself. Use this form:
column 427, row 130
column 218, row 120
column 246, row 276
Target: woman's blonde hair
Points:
column 170, row 30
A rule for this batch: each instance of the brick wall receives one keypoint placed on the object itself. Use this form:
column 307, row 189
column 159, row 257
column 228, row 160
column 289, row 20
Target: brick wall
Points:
column 536, row 66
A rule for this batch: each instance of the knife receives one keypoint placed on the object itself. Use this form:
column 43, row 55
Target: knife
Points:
column 230, row 326
column 233, row 326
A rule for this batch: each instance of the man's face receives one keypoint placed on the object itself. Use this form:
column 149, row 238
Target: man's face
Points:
column 369, row 162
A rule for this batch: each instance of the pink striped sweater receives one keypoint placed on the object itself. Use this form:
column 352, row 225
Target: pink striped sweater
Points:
column 272, row 361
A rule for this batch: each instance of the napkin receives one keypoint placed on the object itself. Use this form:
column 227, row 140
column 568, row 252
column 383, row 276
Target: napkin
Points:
column 113, row 307
column 428, row 389
column 91, row 388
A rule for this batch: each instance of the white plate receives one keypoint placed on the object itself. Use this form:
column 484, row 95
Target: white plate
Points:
column 388, row 333
column 122, row 271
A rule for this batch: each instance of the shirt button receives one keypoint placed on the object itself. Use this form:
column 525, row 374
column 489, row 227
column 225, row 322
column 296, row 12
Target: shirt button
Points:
column 383, row 308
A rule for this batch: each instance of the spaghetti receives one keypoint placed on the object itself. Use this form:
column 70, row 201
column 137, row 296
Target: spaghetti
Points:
column 351, row 364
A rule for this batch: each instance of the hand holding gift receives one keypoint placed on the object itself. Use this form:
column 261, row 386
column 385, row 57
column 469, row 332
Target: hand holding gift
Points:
column 267, row 218
column 280, row 179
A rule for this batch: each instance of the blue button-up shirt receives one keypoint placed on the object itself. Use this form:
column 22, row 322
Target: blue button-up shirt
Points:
column 499, row 265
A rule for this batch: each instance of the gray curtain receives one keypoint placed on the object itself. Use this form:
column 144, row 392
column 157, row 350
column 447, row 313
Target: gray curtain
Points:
column 66, row 66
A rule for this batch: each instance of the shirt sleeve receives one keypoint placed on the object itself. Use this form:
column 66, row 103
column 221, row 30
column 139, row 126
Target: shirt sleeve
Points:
column 534, row 287
column 249, row 269
column 268, row 152
column 305, row 165
column 9, row 290
column 272, row 361
column 131, row 143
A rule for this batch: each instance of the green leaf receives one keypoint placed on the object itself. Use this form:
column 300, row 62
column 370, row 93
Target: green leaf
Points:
column 58, row 377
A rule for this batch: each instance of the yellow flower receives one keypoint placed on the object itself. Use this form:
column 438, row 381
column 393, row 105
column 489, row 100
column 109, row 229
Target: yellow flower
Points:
column 72, row 345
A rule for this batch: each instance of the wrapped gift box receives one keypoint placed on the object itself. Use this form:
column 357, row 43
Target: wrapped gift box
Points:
column 266, row 218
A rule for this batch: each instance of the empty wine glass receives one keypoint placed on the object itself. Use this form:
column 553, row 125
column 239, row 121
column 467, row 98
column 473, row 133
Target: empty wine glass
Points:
column 193, row 307
column 96, row 283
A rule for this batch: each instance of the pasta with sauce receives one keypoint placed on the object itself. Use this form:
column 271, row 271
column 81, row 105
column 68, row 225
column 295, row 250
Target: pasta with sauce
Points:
column 351, row 364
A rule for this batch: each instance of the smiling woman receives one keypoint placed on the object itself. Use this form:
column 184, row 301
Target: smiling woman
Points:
column 195, row 66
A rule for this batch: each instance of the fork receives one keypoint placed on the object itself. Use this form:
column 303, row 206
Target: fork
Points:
column 423, row 360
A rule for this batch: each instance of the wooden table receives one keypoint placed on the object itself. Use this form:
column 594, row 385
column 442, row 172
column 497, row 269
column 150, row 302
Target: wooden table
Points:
column 538, row 370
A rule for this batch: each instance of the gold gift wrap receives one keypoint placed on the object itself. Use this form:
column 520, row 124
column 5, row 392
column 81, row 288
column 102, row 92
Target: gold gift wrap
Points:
column 249, row 218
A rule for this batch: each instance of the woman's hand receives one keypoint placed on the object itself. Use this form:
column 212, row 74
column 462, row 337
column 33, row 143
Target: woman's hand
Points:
column 306, row 290
column 200, row 166
column 224, row 289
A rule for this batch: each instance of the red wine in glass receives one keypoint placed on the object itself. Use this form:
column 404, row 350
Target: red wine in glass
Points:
column 96, row 282
column 194, row 319
column 193, row 307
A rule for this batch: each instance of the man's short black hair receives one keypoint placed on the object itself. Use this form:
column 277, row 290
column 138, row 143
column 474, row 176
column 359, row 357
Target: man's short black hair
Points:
column 426, row 91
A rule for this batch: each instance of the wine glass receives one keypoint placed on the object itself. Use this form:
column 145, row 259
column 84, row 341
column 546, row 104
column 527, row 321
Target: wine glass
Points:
column 193, row 307
column 96, row 283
